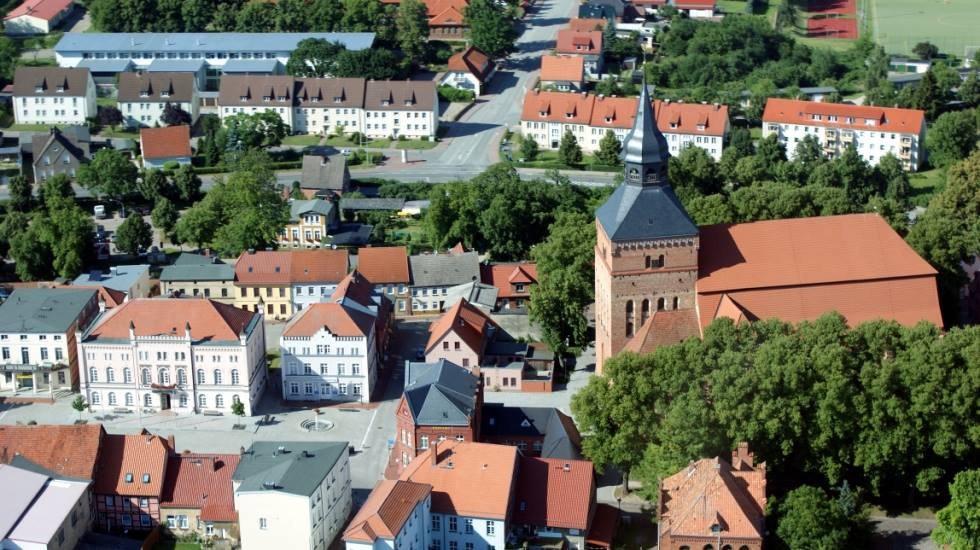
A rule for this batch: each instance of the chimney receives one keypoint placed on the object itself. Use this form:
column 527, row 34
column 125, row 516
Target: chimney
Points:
column 132, row 330
column 187, row 330
column 742, row 456
column 241, row 450
column 435, row 452
column 567, row 467
column 171, row 442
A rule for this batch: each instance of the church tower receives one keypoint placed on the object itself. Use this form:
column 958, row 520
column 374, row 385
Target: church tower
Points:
column 646, row 255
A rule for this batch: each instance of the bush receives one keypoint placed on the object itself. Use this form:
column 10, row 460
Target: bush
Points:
column 171, row 165
column 455, row 95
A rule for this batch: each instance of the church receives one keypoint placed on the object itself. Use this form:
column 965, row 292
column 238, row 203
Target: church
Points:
column 659, row 278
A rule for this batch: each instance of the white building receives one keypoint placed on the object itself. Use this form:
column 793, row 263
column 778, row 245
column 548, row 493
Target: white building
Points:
column 206, row 54
column 36, row 16
column 41, row 513
column 37, row 338
column 53, row 95
column 330, row 350
column 873, row 131
column 292, row 495
column 470, row 69
column 185, row 355
column 548, row 115
column 131, row 280
column 378, row 109
column 375, row 527
column 143, row 97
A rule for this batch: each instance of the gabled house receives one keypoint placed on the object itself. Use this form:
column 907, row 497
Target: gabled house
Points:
column 53, row 95
column 309, row 223
column 144, row 96
column 194, row 275
column 585, row 44
column 564, row 73
column 513, row 283
column 40, row 511
column 129, row 481
column 470, row 69
column 537, row 431
column 324, row 175
column 197, row 496
column 60, row 151
column 163, row 146
column 396, row 515
column 543, row 483
column 461, row 336
column 438, row 279
column 36, row 16
column 386, row 267
column 280, row 283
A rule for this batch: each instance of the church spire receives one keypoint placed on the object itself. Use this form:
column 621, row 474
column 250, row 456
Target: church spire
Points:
column 645, row 151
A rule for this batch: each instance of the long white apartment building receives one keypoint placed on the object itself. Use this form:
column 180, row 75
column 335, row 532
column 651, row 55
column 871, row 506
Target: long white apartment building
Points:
column 53, row 95
column 873, row 131
column 546, row 117
column 144, row 97
column 330, row 349
column 207, row 55
column 184, row 355
column 374, row 108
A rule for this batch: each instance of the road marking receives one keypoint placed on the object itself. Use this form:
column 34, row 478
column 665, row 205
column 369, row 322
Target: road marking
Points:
column 370, row 425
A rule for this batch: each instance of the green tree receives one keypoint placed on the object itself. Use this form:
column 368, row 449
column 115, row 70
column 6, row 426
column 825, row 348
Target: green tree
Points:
column 808, row 152
column 609, row 148
column 21, row 196
column 809, row 518
column 68, row 233
column 9, row 54
column 928, row 96
column 31, row 254
column 238, row 409
column 187, row 182
column 251, row 131
column 490, row 29
column 373, row 63
column 199, row 223
column 771, row 151
column 324, row 15
column 565, row 281
column 292, row 16
column 152, row 184
column 56, row 187
column 109, row 173
column 959, row 521
column 168, row 16
column 854, row 175
column 196, row 15
column 529, row 148
column 360, row 15
column 569, row 151
column 134, row 234
column 710, row 209
column 165, row 216
column 256, row 17
column 79, row 405
column 11, row 225
column 925, row 50
column 110, row 116
column 893, row 177
column 313, row 57
column 969, row 91
column 173, row 115
column 413, row 29
column 694, row 170
column 225, row 17
column 951, row 138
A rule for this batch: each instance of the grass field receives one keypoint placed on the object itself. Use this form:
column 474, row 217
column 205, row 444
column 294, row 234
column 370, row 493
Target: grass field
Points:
column 302, row 139
column 952, row 25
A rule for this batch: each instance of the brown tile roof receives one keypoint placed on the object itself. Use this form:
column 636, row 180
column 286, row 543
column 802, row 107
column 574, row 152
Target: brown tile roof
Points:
column 468, row 479
column 886, row 119
column 334, row 318
column 505, row 276
column 203, row 482
column 664, row 328
column 256, row 90
column 562, row 67
column 277, row 267
column 330, row 92
column 140, row 455
column 111, row 297
column 159, row 87
column 579, row 42
column 209, row 320
column 570, row 108
column 555, row 493
column 384, row 264
column 585, row 24
column 41, row 9
column 169, row 142
column 72, row 82
column 386, row 510
column 605, row 523
column 712, row 491
column 70, row 451
column 471, row 60
column 400, row 95
column 467, row 321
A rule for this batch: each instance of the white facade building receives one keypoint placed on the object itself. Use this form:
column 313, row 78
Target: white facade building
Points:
column 185, row 355
column 52, row 95
column 292, row 494
column 873, row 131
column 143, row 97
column 36, row 16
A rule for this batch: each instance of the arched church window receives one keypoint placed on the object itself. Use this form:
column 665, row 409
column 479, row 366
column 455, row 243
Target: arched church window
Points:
column 644, row 311
column 661, row 304
column 677, row 302
column 660, row 261
column 629, row 318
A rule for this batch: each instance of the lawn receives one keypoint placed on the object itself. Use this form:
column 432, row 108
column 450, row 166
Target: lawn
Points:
column 344, row 141
column 415, row 144
column 835, row 44
column 120, row 133
column 31, row 127
column 949, row 24
column 302, row 140
column 925, row 184
column 106, row 101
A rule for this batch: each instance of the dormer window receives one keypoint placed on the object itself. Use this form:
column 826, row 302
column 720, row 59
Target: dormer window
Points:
column 282, row 98
column 673, row 125
column 243, row 98
column 832, row 118
column 608, row 119
column 337, row 99
column 816, row 117
column 314, row 100
column 165, row 93
column 38, row 89
column 61, row 89
column 869, row 122
column 701, row 127
column 408, row 102
column 146, row 478
column 144, row 93
column 129, row 477
column 267, row 98
column 543, row 113
column 385, row 102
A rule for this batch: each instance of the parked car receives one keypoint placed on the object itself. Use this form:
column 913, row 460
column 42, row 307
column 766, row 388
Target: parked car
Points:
column 99, row 211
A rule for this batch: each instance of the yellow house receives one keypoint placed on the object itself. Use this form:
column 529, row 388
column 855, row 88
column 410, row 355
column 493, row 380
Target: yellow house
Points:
column 273, row 282
column 309, row 223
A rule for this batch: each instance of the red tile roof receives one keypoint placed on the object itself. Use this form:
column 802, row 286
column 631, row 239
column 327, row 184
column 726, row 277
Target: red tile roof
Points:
column 579, row 42
column 605, row 523
column 386, row 510
column 42, row 9
column 471, row 60
column 585, row 24
column 384, row 264
column 505, row 276
column 570, row 108
column 125, row 461
column 163, row 143
column 70, row 451
column 277, row 267
column 562, row 67
column 332, row 317
column 203, row 482
column 694, row 4
column 468, row 479
column 209, row 320
column 450, row 15
column 885, row 119
column 664, row 328
column 111, row 297
column 555, row 493
column 464, row 319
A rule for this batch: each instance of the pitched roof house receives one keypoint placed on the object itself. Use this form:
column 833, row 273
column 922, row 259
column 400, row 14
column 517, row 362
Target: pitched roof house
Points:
column 60, row 151
column 513, row 283
column 36, row 16
column 201, row 484
column 469, row 69
column 130, row 467
column 556, row 495
column 394, row 510
column 461, row 335
column 536, row 431
column 573, row 42
column 160, row 146
column 562, row 72
column 63, row 451
column 324, row 175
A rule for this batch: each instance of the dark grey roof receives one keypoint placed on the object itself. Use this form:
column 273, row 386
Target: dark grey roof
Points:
column 645, row 143
column 351, row 234
column 440, row 394
column 50, row 82
column 483, row 295
column 254, row 66
column 372, row 204
column 106, row 65
column 264, row 468
column 147, row 87
column 196, row 267
column 299, row 207
column 444, row 269
column 561, row 438
column 638, row 213
column 43, row 310
column 325, row 172
column 57, row 141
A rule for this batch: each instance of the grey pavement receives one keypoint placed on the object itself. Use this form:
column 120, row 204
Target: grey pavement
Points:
column 903, row 533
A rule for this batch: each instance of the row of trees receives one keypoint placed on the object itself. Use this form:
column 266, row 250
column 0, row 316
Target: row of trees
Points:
column 889, row 409
column 315, row 57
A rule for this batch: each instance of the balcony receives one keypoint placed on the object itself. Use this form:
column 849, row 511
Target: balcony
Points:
column 830, row 132
column 905, row 153
column 907, row 141
column 847, row 137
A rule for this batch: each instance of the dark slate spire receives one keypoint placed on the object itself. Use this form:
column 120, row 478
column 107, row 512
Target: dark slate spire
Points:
column 645, row 150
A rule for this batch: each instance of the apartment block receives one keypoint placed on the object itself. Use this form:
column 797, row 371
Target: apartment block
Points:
column 53, row 95
column 143, row 97
column 186, row 356
column 548, row 115
column 377, row 109
column 873, row 131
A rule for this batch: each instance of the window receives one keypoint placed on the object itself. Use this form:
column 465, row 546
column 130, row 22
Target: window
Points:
column 217, row 376
column 181, row 376
column 147, row 400
column 453, row 545
column 424, row 442
column 95, row 398
column 145, row 376
column 129, row 399
column 468, row 546
column 491, row 527
column 93, row 375
column 219, row 401
column 183, row 400
column 263, row 523
column 128, row 375
column 234, row 376
column 202, row 401
column 164, row 376
column 436, row 522
column 293, row 388
column 468, row 525
column 171, row 522
column 200, row 376
column 127, row 520
column 629, row 319
column 112, row 398
column 452, row 524
column 661, row 304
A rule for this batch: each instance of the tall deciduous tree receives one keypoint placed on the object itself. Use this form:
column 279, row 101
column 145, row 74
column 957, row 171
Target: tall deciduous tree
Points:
column 609, row 149
column 292, row 16
column 412, row 25
column 173, row 115
column 165, row 216
column 313, row 57
column 529, row 148
column 110, row 116
column 324, row 15
column 110, row 173
column 959, row 521
column 21, row 197
column 809, row 518
column 134, row 234
column 373, row 63
column 187, row 182
column 256, row 17
column 951, row 138
column 490, row 29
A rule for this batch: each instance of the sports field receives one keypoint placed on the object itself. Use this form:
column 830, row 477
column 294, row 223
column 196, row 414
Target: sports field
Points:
column 899, row 25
